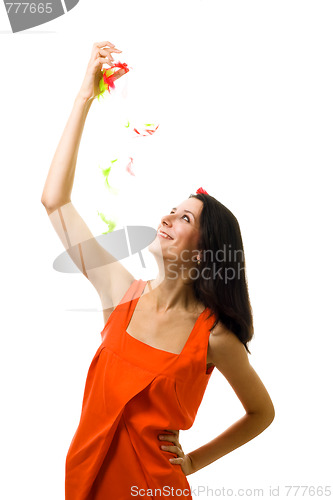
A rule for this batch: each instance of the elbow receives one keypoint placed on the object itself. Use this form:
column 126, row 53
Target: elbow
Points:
column 265, row 415
column 46, row 205
column 53, row 205
column 44, row 200
column 268, row 412
column 269, row 415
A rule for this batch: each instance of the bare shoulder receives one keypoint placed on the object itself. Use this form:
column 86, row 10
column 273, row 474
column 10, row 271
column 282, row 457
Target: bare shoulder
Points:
column 115, row 291
column 225, row 350
column 223, row 339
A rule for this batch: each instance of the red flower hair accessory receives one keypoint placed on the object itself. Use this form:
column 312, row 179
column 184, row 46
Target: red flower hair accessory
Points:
column 201, row 190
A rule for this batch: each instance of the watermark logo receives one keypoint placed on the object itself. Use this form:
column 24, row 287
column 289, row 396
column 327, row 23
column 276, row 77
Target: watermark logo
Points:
column 25, row 15
column 82, row 255
column 123, row 243
column 223, row 264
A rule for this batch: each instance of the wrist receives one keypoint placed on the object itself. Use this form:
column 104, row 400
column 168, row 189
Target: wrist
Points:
column 83, row 100
column 193, row 469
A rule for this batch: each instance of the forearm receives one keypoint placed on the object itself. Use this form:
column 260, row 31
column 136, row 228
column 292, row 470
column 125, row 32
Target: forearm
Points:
column 242, row 431
column 60, row 178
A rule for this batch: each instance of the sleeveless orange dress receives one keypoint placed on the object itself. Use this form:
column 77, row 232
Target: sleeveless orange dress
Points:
column 133, row 393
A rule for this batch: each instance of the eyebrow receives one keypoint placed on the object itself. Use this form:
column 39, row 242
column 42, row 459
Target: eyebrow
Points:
column 188, row 211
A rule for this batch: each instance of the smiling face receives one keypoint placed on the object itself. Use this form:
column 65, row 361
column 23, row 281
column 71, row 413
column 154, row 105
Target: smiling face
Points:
column 183, row 228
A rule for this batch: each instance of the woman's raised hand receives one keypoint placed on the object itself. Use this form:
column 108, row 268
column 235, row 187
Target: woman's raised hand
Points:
column 101, row 54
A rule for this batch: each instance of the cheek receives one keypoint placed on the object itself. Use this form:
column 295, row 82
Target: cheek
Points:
column 190, row 241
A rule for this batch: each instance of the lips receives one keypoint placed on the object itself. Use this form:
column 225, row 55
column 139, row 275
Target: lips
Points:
column 159, row 231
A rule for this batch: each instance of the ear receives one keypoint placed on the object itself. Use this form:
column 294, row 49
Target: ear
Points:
column 199, row 255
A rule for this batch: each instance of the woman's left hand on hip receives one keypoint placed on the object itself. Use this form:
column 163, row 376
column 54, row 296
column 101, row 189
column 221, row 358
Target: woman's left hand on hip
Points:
column 183, row 460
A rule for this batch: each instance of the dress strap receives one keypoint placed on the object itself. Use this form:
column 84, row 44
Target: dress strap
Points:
column 133, row 292
column 194, row 354
column 129, row 300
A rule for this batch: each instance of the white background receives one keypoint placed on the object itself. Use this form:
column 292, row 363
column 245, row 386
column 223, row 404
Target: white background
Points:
column 243, row 94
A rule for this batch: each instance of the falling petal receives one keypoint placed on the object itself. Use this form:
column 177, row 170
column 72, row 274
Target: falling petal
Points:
column 146, row 132
column 106, row 172
column 110, row 223
column 129, row 167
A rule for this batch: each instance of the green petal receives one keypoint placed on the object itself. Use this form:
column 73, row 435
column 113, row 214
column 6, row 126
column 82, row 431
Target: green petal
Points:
column 111, row 223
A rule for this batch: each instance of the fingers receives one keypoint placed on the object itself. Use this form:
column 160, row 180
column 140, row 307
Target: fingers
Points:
column 99, row 45
column 106, row 53
column 174, row 449
column 102, row 52
column 171, row 438
column 118, row 74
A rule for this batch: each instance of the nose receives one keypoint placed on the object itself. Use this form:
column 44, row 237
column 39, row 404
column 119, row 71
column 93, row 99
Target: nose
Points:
column 166, row 220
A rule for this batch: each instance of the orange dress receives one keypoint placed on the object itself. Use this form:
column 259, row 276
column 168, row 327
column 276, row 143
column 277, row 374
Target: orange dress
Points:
column 133, row 393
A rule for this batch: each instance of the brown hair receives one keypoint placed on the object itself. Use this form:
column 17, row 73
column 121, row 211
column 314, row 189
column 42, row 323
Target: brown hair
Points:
column 222, row 285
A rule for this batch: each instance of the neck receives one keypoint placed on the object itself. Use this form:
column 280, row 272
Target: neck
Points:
column 171, row 290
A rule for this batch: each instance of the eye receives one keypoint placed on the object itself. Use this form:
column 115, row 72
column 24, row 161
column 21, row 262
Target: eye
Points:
column 188, row 219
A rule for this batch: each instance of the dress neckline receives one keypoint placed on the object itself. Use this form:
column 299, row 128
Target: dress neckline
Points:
column 144, row 344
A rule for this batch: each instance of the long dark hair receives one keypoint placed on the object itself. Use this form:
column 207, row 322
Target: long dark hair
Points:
column 222, row 281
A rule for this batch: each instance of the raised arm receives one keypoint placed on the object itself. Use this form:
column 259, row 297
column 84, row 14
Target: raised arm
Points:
column 107, row 275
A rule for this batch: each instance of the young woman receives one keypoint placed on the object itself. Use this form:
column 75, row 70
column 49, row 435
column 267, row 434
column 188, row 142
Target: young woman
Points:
column 161, row 340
